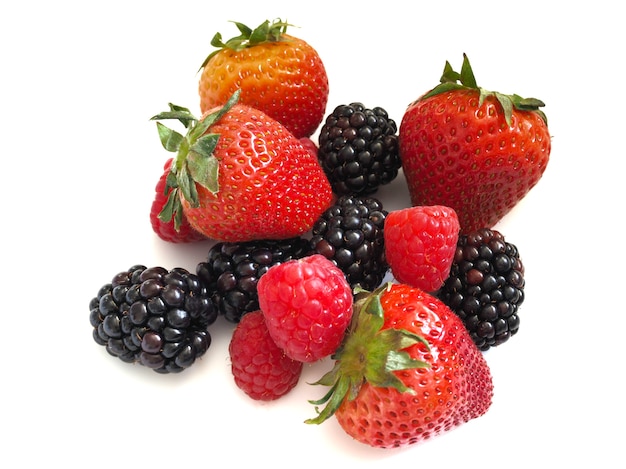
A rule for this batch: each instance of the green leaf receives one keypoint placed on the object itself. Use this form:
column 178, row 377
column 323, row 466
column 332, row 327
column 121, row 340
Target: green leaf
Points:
column 529, row 103
column 333, row 402
column 204, row 170
column 177, row 112
column 507, row 106
column 187, row 186
column 205, row 145
column 449, row 75
column 443, row 88
column 243, row 29
column 260, row 33
column 467, row 75
column 170, row 206
column 170, row 139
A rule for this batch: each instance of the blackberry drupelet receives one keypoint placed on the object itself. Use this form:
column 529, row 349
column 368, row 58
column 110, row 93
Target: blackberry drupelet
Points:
column 154, row 317
column 351, row 234
column 232, row 271
column 358, row 149
column 486, row 287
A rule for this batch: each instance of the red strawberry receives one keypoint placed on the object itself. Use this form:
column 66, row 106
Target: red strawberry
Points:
column 476, row 151
column 307, row 305
column 239, row 175
column 279, row 74
column 167, row 230
column 260, row 368
column 407, row 371
column 420, row 243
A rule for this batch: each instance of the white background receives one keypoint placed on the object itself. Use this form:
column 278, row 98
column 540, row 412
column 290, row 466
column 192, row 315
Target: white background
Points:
column 80, row 158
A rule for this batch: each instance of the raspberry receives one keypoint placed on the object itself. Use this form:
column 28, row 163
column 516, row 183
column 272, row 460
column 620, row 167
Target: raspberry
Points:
column 167, row 230
column 309, row 145
column 420, row 243
column 307, row 305
column 232, row 271
column 154, row 317
column 358, row 149
column 260, row 368
column 351, row 234
column 486, row 287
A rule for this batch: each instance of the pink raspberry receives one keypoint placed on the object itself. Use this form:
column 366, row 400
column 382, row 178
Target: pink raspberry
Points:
column 260, row 368
column 307, row 305
column 420, row 243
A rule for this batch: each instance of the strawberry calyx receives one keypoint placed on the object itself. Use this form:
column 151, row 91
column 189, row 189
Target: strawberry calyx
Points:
column 265, row 32
column 194, row 162
column 465, row 80
column 368, row 353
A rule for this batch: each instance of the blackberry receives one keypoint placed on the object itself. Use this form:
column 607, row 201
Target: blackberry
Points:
column 350, row 233
column 358, row 149
column 486, row 287
column 232, row 271
column 154, row 317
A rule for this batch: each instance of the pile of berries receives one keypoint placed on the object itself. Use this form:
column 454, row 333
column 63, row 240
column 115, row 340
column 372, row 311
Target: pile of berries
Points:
column 302, row 245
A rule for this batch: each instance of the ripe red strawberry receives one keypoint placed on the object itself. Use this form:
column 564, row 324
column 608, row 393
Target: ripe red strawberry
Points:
column 407, row 371
column 279, row 74
column 476, row 151
column 260, row 368
column 307, row 305
column 166, row 230
column 239, row 175
column 420, row 244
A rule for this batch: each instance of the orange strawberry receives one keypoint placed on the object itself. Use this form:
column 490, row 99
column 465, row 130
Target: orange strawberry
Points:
column 240, row 175
column 407, row 370
column 278, row 74
column 474, row 150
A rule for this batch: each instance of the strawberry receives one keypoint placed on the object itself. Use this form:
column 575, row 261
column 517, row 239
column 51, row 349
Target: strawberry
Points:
column 407, row 371
column 167, row 230
column 420, row 244
column 279, row 74
column 307, row 305
column 240, row 175
column 260, row 368
column 477, row 151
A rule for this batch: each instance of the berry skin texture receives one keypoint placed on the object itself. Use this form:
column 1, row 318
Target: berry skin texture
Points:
column 307, row 305
column 153, row 317
column 167, row 230
column 358, row 149
column 420, row 243
column 277, row 73
column 462, row 147
column 260, row 368
column 437, row 381
column 240, row 175
column 485, row 287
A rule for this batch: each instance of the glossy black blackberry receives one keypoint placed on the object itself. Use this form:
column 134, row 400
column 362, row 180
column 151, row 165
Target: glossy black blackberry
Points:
column 351, row 234
column 232, row 271
column 358, row 149
column 154, row 317
column 486, row 287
